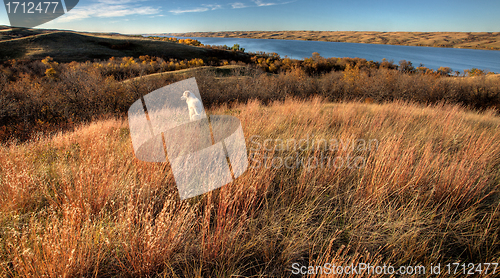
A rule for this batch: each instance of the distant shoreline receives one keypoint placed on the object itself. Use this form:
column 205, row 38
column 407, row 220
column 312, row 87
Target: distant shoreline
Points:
column 469, row 40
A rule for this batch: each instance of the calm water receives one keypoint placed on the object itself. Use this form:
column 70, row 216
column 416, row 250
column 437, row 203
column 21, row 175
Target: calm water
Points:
column 431, row 57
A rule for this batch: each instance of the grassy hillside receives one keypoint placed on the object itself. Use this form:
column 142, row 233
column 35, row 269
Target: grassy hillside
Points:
column 80, row 204
column 473, row 40
column 68, row 46
column 8, row 33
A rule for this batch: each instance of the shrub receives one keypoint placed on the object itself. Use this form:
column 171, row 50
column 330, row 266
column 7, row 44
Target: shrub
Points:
column 44, row 95
column 446, row 71
column 474, row 72
column 406, row 66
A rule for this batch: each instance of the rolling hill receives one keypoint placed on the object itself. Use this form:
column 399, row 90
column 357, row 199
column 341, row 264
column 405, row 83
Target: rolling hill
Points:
column 68, row 46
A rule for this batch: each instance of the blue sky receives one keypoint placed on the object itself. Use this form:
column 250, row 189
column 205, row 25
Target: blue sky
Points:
column 152, row 16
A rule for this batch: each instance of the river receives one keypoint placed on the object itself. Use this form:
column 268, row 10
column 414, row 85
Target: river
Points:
column 431, row 57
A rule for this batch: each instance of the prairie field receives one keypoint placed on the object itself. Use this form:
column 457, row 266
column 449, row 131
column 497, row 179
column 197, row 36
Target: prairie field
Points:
column 350, row 162
column 77, row 203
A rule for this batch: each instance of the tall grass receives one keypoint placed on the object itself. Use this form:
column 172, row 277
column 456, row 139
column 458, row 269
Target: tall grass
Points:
column 79, row 203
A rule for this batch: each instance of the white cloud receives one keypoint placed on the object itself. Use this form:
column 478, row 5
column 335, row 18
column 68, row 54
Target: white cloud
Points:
column 194, row 10
column 259, row 3
column 238, row 5
column 262, row 4
column 108, row 8
column 235, row 5
column 203, row 8
column 214, row 7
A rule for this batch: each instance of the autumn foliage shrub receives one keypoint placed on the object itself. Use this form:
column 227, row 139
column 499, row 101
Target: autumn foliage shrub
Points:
column 40, row 96
column 186, row 41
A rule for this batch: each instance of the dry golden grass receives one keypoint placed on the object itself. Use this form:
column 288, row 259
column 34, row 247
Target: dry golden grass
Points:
column 475, row 40
column 80, row 204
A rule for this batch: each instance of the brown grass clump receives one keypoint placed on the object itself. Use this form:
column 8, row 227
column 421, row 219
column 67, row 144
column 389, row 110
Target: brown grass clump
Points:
column 80, row 204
